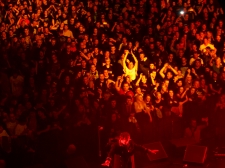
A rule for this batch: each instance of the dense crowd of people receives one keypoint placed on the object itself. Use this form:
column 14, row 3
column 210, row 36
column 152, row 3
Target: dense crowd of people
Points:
column 71, row 67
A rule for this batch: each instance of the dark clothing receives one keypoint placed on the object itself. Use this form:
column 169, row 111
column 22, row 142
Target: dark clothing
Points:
column 123, row 155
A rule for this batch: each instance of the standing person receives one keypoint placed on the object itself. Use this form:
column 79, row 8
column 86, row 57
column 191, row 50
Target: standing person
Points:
column 131, row 69
column 143, row 116
column 122, row 152
column 141, row 109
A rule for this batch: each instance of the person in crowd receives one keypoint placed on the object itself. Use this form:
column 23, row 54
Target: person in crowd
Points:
column 194, row 130
column 69, row 67
column 131, row 69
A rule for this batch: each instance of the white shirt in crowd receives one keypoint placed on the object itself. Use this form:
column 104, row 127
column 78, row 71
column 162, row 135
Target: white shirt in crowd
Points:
column 130, row 72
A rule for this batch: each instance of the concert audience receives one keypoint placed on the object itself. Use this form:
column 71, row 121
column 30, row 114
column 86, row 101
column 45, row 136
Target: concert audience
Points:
column 68, row 67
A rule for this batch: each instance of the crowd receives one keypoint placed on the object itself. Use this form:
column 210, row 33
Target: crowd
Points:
column 70, row 66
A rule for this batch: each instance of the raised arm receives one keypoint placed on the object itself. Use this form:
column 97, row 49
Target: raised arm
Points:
column 221, row 11
column 118, row 83
column 152, row 79
column 124, row 60
column 84, row 56
column 136, row 46
column 211, row 62
column 142, row 148
column 162, row 21
column 44, row 130
column 178, row 19
column 139, row 79
column 112, row 30
column 200, row 10
column 184, row 93
column 161, row 72
column 210, row 10
column 148, row 111
column 173, row 70
column 109, row 81
column 192, row 10
column 18, row 22
column 62, row 109
column 110, row 155
column 172, row 44
column 49, row 8
column 135, row 60
column 61, row 72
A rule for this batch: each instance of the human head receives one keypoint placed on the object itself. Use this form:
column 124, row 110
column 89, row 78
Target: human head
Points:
column 124, row 138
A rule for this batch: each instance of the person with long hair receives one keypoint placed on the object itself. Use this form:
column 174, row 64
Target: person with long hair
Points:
column 141, row 109
column 182, row 98
column 143, row 116
column 121, row 153
column 148, row 102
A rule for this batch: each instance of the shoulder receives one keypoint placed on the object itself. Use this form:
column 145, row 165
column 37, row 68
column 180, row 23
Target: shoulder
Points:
column 210, row 45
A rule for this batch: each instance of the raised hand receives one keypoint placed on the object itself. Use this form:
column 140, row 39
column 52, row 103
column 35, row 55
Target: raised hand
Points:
column 119, row 78
column 193, row 70
column 169, row 67
column 106, row 163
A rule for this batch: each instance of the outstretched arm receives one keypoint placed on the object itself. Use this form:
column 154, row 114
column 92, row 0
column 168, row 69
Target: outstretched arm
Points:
column 138, row 81
column 124, row 61
column 109, row 156
column 118, row 83
column 140, row 147
column 200, row 9
column 172, row 69
column 84, row 56
column 152, row 79
column 161, row 72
